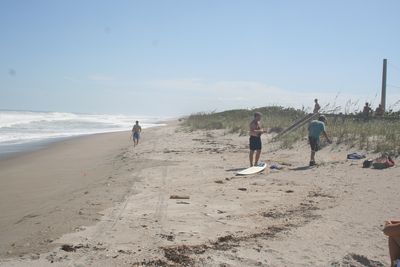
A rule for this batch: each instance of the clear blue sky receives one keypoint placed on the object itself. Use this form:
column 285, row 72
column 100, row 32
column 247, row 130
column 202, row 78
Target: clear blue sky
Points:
column 176, row 57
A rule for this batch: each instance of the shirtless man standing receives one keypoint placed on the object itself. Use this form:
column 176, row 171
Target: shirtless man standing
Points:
column 255, row 138
column 136, row 130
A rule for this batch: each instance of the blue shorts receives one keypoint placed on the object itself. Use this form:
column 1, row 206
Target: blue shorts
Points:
column 136, row 135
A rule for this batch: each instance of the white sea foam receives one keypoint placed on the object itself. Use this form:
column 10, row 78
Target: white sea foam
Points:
column 18, row 127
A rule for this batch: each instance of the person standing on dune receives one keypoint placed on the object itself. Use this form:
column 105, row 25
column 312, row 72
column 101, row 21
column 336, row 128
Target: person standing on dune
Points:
column 317, row 107
column 255, row 138
column 136, row 130
column 366, row 111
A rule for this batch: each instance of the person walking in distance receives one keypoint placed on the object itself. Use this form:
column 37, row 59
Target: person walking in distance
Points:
column 136, row 130
column 255, row 139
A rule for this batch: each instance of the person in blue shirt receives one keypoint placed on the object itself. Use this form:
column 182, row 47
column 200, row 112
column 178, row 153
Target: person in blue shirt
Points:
column 315, row 129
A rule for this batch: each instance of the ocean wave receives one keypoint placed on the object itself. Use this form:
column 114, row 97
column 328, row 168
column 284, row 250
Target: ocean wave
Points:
column 26, row 126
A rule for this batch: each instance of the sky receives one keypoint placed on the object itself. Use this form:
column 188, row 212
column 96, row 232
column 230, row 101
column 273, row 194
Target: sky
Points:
column 171, row 57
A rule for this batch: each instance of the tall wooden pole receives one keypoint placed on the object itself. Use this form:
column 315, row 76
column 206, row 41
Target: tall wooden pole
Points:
column 383, row 96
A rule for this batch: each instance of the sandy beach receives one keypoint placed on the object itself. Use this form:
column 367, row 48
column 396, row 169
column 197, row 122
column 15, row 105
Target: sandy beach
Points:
column 175, row 200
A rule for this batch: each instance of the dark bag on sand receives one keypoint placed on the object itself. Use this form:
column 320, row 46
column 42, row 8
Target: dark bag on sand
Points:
column 383, row 162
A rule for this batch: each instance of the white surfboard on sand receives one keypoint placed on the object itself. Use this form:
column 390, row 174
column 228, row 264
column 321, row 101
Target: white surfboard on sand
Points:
column 252, row 170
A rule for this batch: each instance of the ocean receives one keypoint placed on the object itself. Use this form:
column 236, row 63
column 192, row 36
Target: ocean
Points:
column 28, row 130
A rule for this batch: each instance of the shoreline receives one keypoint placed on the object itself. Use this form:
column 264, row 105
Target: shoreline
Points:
column 15, row 150
column 24, row 131
column 119, row 210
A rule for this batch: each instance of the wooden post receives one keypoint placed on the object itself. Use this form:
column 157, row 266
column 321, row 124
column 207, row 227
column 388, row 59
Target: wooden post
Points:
column 383, row 96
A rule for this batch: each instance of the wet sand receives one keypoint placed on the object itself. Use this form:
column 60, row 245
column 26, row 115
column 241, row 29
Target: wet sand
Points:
column 54, row 190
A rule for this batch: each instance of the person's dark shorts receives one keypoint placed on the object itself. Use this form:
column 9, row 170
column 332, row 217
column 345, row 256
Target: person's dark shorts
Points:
column 314, row 143
column 136, row 135
column 255, row 143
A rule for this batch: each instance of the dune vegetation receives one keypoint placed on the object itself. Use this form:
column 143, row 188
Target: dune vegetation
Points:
column 373, row 134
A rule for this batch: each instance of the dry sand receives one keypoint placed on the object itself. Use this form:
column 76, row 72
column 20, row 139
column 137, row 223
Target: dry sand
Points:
column 107, row 203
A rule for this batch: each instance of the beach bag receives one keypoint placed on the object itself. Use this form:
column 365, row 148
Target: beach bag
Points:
column 367, row 163
column 383, row 162
column 356, row 155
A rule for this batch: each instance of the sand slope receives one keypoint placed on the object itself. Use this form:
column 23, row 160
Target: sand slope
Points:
column 330, row 215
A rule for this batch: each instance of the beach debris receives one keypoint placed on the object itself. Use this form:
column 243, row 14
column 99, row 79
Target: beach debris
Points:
column 218, row 181
column 122, row 251
column 289, row 191
column 182, row 202
column 169, row 237
column 275, row 166
column 319, row 194
column 225, row 238
column 242, row 189
column 171, row 151
column 68, row 248
column 178, row 254
column 98, row 247
column 71, row 248
column 179, row 197
column 356, row 155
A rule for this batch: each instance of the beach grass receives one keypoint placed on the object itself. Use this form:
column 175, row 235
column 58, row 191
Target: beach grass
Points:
column 377, row 135
column 237, row 121
column 371, row 135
